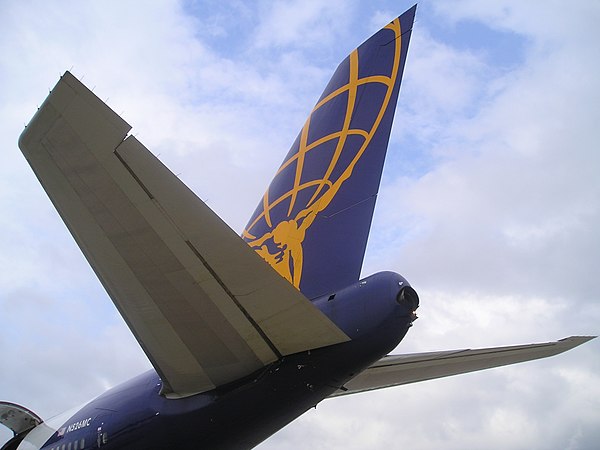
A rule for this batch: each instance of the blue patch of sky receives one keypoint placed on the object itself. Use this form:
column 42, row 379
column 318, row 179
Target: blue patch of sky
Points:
column 230, row 29
column 502, row 49
column 407, row 157
column 412, row 154
column 499, row 51
column 225, row 27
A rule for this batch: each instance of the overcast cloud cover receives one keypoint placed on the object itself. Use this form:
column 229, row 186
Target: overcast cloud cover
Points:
column 490, row 201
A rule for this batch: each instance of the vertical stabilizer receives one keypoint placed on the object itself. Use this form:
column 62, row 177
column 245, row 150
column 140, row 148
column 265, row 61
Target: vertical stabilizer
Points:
column 313, row 222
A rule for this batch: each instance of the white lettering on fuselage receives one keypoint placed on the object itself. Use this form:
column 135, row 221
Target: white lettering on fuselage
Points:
column 81, row 424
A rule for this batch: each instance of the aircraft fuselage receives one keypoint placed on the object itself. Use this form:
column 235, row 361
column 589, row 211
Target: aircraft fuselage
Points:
column 134, row 415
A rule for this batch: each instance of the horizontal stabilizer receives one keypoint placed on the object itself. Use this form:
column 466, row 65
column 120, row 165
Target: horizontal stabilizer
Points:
column 394, row 370
column 205, row 308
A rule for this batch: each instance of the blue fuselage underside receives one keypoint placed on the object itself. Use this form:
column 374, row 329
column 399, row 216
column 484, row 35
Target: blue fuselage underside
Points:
column 134, row 415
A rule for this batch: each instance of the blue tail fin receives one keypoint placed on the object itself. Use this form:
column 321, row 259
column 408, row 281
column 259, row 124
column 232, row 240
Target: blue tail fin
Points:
column 313, row 222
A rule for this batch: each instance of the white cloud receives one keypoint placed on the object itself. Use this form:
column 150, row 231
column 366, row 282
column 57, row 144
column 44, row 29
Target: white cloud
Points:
column 301, row 23
column 511, row 197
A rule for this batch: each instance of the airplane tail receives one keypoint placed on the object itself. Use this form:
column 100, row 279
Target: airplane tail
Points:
column 313, row 221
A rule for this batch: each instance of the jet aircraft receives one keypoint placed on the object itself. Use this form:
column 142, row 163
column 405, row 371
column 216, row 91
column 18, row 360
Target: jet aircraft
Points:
column 245, row 333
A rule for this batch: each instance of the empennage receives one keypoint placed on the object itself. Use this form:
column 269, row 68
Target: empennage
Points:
column 207, row 311
column 313, row 221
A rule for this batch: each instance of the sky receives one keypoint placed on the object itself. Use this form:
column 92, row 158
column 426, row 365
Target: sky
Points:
column 489, row 203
